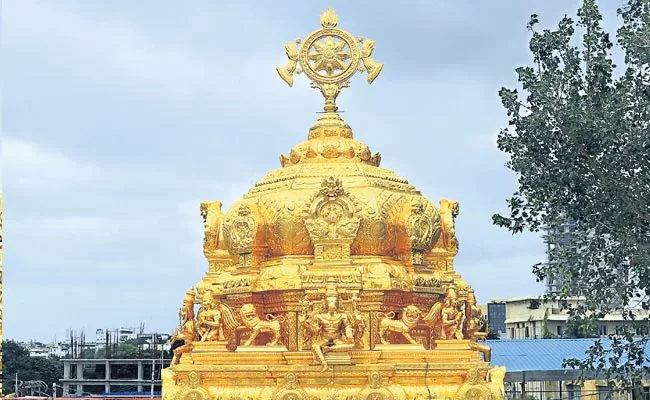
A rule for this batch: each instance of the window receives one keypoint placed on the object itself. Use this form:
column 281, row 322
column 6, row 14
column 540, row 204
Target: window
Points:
column 604, row 392
column 512, row 333
column 603, row 330
column 574, row 391
column 560, row 330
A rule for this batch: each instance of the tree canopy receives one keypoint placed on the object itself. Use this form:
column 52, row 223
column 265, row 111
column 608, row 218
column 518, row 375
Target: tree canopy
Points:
column 16, row 360
column 578, row 138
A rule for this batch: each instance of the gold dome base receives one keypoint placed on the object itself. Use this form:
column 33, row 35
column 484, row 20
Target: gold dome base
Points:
column 453, row 370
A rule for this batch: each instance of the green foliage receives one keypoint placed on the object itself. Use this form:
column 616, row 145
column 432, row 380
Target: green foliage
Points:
column 492, row 335
column 534, row 304
column 579, row 140
column 577, row 328
column 546, row 333
column 16, row 359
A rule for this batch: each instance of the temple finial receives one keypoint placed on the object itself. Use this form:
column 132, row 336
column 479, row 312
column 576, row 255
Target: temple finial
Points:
column 329, row 57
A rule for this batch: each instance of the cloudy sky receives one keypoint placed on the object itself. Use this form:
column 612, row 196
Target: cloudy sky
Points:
column 120, row 117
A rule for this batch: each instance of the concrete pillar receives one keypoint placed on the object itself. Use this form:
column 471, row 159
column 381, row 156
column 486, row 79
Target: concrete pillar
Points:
column 140, row 376
column 80, row 377
column 66, row 375
column 107, row 376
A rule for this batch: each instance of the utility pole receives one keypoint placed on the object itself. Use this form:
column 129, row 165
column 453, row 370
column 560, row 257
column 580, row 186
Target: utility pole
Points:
column 16, row 385
column 153, row 369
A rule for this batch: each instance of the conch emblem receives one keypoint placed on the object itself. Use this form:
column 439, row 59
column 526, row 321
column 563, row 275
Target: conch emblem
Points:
column 241, row 229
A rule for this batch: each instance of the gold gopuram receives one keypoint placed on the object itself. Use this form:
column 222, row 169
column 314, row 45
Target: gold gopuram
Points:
column 332, row 278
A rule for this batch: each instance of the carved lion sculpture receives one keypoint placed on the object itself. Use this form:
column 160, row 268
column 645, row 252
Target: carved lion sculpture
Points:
column 404, row 325
column 253, row 322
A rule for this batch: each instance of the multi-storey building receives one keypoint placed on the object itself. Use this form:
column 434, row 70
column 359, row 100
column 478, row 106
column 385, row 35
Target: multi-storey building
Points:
column 558, row 235
column 531, row 317
column 496, row 315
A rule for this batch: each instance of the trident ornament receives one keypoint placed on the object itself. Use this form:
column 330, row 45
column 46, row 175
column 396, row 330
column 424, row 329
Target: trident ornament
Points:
column 329, row 56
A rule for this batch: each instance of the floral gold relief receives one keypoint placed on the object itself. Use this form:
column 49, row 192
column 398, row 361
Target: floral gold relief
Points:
column 332, row 278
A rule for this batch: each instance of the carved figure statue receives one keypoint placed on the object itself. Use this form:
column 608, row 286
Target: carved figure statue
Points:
column 185, row 334
column 410, row 318
column 212, row 223
column 451, row 317
column 358, row 322
column 209, row 324
column 329, row 330
column 475, row 322
column 449, row 210
column 475, row 325
column 253, row 322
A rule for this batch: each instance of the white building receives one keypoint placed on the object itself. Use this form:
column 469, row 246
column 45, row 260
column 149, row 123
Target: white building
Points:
column 532, row 317
column 121, row 334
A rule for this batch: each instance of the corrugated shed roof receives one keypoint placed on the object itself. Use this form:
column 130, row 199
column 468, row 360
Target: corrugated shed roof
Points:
column 541, row 354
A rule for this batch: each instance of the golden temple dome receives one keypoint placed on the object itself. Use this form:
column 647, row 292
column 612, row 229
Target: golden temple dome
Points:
column 394, row 219
column 330, row 262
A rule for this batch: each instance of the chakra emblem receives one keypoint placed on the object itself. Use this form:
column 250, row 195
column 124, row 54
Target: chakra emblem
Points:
column 329, row 57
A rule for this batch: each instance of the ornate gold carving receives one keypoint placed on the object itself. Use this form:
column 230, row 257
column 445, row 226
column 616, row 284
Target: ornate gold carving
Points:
column 495, row 378
column 358, row 322
column 286, row 72
column 193, row 391
column 475, row 326
column 332, row 214
column 410, row 317
column 352, row 240
column 329, row 57
column 317, row 279
column 428, row 283
column 332, row 224
column 212, row 220
column 291, row 390
column 186, row 332
column 451, row 317
column 473, row 389
column 329, row 327
column 214, row 243
column 423, row 227
column 240, row 229
column 209, row 325
column 374, row 390
column 373, row 68
column 449, row 210
column 215, row 321
column 253, row 322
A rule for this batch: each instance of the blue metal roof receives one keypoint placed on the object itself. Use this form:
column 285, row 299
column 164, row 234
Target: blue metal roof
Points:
column 541, row 354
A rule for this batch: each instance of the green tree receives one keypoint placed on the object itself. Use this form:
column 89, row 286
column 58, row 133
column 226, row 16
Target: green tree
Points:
column 16, row 359
column 546, row 333
column 579, row 140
